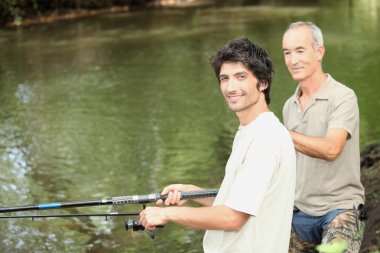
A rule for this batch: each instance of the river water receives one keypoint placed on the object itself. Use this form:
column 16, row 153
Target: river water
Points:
column 126, row 103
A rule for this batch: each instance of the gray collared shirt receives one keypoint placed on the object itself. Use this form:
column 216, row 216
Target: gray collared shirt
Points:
column 323, row 186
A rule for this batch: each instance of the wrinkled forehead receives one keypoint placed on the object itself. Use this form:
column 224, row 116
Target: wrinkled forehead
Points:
column 297, row 37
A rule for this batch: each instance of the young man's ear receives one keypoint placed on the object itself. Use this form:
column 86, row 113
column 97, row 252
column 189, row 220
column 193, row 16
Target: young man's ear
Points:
column 263, row 86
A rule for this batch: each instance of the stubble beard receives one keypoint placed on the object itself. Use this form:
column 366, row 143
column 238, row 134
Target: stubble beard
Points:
column 243, row 106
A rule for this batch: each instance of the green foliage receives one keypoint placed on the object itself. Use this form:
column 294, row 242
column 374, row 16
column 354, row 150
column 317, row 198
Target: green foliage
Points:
column 14, row 11
column 334, row 247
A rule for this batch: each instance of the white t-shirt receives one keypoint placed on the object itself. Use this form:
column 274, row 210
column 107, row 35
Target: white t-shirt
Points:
column 260, row 181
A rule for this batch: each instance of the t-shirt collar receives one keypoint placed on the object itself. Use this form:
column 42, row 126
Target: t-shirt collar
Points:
column 254, row 122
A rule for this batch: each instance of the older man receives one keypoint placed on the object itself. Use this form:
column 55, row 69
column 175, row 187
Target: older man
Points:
column 323, row 119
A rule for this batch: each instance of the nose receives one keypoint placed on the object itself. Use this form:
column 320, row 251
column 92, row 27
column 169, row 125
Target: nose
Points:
column 293, row 59
column 231, row 85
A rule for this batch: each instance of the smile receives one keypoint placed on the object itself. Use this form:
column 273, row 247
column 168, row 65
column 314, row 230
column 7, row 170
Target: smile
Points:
column 296, row 69
column 234, row 98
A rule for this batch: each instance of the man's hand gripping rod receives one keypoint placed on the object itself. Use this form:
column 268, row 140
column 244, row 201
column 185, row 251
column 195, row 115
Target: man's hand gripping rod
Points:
column 135, row 225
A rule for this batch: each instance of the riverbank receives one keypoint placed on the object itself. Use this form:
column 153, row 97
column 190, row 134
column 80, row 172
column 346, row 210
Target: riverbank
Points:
column 370, row 167
column 66, row 15
column 26, row 19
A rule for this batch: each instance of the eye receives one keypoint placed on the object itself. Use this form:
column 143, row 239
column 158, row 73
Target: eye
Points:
column 241, row 77
column 286, row 53
column 223, row 78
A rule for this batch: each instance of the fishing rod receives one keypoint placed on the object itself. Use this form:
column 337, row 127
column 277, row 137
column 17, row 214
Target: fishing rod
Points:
column 130, row 224
column 36, row 216
column 122, row 200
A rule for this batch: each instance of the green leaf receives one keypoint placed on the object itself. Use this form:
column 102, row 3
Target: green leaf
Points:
column 334, row 247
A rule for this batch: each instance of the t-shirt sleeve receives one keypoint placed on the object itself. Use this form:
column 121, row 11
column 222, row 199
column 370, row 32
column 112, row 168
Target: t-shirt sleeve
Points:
column 345, row 113
column 252, row 180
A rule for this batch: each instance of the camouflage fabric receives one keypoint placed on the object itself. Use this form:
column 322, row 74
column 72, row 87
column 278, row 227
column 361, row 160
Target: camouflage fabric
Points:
column 297, row 245
column 345, row 230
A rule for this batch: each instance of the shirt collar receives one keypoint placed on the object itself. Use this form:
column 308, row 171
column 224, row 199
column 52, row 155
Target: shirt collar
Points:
column 256, row 121
column 323, row 92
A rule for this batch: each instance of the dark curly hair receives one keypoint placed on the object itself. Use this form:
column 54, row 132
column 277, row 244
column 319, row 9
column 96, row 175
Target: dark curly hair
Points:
column 255, row 58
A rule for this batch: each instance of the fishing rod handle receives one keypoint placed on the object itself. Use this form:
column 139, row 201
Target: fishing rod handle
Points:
column 151, row 198
column 195, row 194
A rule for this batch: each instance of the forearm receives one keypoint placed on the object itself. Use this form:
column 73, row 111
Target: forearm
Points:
column 323, row 148
column 207, row 218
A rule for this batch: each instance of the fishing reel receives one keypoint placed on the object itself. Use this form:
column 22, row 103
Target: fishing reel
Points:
column 135, row 225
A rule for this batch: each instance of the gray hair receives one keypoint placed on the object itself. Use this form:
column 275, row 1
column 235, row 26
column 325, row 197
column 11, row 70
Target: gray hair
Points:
column 315, row 31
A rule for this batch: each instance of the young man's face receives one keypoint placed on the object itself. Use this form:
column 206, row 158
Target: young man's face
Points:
column 301, row 58
column 238, row 86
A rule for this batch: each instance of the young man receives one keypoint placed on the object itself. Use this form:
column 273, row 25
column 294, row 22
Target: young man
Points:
column 253, row 209
column 323, row 120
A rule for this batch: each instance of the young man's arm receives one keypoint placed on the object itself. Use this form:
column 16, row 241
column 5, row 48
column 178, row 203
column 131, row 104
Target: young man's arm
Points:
column 327, row 148
column 207, row 218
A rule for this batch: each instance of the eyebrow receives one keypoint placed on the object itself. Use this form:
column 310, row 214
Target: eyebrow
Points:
column 297, row 48
column 237, row 73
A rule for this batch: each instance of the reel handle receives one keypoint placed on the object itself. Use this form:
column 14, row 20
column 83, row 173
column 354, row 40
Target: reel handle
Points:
column 135, row 225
